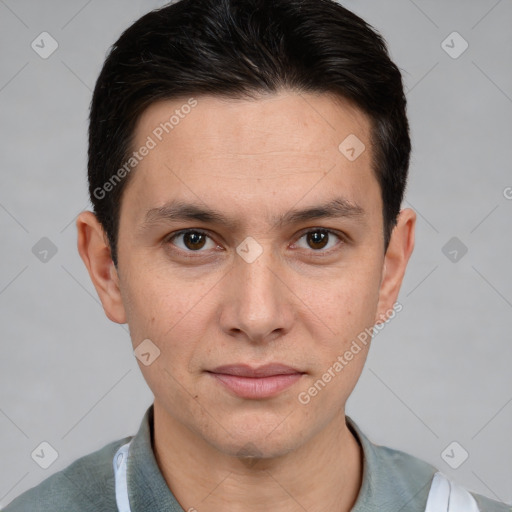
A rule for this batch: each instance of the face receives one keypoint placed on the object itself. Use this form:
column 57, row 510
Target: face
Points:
column 284, row 265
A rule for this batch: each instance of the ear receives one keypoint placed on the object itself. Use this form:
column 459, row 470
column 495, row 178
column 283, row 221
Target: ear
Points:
column 95, row 252
column 397, row 256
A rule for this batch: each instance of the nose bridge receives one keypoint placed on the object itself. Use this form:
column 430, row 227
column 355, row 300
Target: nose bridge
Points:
column 254, row 268
column 258, row 296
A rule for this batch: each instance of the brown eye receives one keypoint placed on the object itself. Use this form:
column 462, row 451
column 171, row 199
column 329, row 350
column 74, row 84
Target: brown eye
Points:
column 191, row 240
column 319, row 239
column 194, row 240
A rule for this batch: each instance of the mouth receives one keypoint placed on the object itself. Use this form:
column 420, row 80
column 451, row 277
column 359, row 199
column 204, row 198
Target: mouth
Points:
column 256, row 383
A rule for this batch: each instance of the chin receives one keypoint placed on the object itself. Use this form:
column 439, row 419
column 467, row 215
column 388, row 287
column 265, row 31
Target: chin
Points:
column 254, row 439
column 255, row 449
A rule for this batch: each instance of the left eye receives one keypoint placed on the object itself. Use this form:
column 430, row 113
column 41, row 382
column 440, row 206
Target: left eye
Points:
column 318, row 239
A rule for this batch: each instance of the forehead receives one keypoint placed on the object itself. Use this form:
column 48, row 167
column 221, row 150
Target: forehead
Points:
column 247, row 155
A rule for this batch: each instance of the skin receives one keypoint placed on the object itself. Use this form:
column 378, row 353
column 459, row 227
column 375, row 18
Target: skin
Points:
column 252, row 160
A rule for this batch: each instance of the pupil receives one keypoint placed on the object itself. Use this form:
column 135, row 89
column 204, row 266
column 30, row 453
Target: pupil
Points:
column 318, row 237
column 195, row 238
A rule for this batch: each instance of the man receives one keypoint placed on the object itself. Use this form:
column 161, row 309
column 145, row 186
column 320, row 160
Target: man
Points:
column 247, row 163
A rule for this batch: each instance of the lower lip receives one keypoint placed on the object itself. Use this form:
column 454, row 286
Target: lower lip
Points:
column 257, row 387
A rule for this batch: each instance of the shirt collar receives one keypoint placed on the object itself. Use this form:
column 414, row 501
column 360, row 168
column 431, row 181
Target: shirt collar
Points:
column 392, row 480
column 147, row 488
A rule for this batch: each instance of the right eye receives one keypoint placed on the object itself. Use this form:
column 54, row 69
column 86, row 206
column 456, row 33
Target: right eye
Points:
column 193, row 240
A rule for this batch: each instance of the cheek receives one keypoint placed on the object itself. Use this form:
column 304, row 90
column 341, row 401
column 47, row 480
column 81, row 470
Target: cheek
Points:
column 155, row 307
column 346, row 305
column 174, row 315
column 173, row 321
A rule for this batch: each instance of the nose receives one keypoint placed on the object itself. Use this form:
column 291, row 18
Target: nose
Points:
column 258, row 303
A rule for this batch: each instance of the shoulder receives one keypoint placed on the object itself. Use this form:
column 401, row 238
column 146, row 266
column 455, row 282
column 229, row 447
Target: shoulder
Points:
column 86, row 485
column 392, row 479
column 488, row 505
column 406, row 476
column 401, row 481
column 407, row 469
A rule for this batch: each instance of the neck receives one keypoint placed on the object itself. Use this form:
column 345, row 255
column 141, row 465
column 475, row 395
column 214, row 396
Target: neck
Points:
column 323, row 474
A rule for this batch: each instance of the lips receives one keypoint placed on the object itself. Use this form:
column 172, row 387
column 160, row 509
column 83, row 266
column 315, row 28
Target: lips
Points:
column 243, row 370
column 256, row 383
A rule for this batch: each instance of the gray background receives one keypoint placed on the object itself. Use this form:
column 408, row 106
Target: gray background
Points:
column 438, row 373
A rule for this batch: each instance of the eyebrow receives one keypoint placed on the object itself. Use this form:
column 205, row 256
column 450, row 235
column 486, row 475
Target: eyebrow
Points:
column 173, row 211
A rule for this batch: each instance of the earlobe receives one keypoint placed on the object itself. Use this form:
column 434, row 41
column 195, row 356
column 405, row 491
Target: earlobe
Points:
column 397, row 256
column 95, row 253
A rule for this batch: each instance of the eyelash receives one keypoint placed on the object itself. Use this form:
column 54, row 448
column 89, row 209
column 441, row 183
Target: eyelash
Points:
column 318, row 252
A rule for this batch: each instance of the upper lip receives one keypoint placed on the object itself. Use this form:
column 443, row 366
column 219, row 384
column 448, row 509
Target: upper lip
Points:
column 244, row 370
